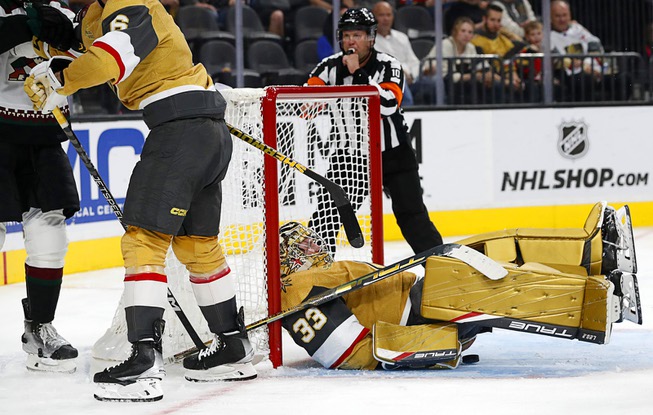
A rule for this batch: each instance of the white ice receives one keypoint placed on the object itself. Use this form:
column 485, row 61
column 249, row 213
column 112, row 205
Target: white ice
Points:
column 517, row 373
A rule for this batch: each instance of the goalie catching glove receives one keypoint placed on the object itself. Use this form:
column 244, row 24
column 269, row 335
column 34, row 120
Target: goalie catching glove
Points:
column 42, row 85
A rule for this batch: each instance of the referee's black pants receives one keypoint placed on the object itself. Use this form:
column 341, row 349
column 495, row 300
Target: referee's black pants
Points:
column 401, row 182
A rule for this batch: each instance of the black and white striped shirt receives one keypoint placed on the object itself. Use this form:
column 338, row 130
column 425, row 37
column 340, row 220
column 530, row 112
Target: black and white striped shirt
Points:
column 382, row 71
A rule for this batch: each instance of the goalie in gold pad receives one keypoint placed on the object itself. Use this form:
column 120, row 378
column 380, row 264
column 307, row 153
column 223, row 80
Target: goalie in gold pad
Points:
column 411, row 322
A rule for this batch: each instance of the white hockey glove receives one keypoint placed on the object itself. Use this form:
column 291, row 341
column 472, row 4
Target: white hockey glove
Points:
column 42, row 85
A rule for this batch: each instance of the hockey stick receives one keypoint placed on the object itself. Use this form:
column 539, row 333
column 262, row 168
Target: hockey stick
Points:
column 65, row 126
column 471, row 257
column 346, row 211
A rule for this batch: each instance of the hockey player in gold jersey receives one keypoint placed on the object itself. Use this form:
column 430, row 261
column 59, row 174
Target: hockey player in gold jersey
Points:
column 174, row 195
column 565, row 283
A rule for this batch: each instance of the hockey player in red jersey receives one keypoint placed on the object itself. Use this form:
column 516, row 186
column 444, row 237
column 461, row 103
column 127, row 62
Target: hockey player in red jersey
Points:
column 37, row 186
column 566, row 283
column 174, row 195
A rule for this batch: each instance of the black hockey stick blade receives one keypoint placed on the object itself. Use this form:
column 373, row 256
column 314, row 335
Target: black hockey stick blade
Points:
column 67, row 129
column 338, row 194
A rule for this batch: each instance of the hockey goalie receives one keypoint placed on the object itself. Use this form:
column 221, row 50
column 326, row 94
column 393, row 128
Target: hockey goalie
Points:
column 565, row 283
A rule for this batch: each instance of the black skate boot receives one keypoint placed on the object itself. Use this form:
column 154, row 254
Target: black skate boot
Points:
column 228, row 358
column 46, row 349
column 137, row 379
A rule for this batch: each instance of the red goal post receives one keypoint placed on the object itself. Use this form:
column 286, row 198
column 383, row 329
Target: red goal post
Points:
column 374, row 237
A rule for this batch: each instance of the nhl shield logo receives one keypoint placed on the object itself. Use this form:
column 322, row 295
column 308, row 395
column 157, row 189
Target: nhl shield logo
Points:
column 573, row 142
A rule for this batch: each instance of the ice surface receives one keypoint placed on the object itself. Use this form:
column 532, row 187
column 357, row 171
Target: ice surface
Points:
column 517, row 374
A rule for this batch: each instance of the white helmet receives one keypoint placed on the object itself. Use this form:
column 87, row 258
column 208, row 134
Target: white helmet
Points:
column 300, row 248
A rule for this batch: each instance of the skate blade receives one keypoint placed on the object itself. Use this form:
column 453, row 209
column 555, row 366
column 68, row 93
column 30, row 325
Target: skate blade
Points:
column 626, row 258
column 223, row 373
column 143, row 390
column 632, row 307
column 44, row 364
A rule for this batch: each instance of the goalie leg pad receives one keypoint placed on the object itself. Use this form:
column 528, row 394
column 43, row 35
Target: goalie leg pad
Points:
column 533, row 298
column 415, row 346
column 530, row 292
column 600, row 310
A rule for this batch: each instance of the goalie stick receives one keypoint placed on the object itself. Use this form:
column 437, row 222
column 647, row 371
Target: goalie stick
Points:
column 469, row 256
column 345, row 209
column 65, row 126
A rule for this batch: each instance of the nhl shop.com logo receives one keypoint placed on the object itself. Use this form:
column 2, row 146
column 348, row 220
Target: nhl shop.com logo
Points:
column 573, row 142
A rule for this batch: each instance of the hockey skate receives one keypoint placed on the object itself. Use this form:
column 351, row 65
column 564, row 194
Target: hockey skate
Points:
column 628, row 307
column 618, row 241
column 46, row 350
column 228, row 358
column 137, row 379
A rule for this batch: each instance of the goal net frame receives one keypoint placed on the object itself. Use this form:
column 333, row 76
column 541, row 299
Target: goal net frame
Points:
column 269, row 110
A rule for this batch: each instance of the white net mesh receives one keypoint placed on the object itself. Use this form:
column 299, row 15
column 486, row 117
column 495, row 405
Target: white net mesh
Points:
column 328, row 135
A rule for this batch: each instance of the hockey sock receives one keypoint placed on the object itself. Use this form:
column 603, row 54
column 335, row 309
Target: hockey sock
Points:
column 216, row 297
column 145, row 295
column 43, row 287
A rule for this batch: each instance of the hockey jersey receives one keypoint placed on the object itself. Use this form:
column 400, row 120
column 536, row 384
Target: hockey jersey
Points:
column 575, row 40
column 137, row 47
column 381, row 71
column 337, row 333
column 18, row 120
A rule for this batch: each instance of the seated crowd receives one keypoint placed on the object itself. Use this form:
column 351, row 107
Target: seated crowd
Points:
column 491, row 51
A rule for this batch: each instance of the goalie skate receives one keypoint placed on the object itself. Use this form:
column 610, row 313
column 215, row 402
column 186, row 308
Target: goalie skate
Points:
column 627, row 291
column 47, row 350
column 618, row 241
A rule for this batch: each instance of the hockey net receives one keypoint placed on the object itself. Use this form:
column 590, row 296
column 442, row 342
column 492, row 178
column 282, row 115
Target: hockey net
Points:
column 310, row 125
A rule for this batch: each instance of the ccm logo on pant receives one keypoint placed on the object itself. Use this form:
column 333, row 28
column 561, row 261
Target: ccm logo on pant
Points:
column 178, row 211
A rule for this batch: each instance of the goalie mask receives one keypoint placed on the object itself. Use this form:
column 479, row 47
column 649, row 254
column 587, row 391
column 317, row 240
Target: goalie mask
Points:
column 357, row 19
column 300, row 248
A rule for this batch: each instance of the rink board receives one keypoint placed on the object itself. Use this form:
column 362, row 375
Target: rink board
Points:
column 481, row 170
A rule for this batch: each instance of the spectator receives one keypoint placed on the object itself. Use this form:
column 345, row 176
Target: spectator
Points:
column 325, row 42
column 474, row 9
column 328, row 6
column 582, row 77
column 492, row 42
column 463, row 75
column 516, row 14
column 532, row 68
column 397, row 44
column 425, row 3
column 271, row 13
column 218, row 7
